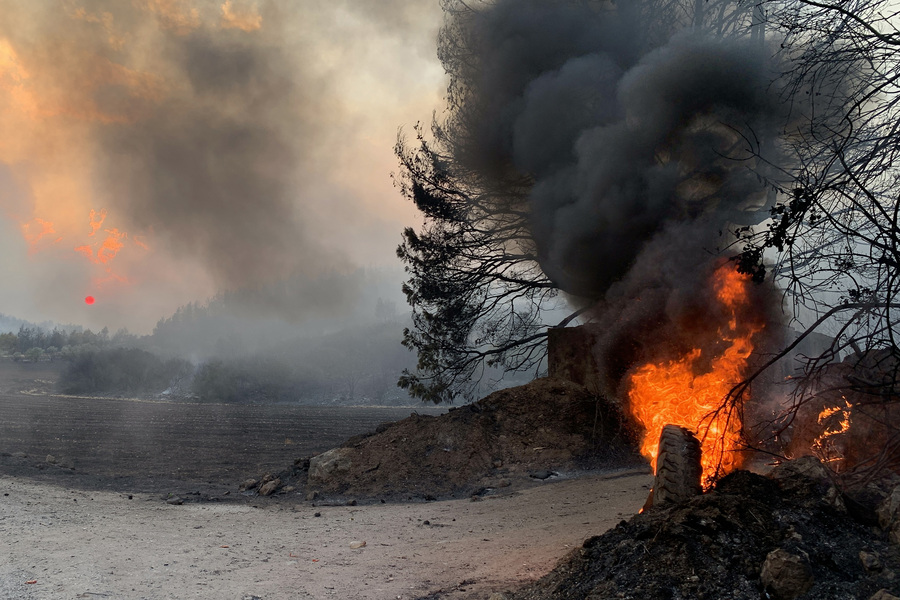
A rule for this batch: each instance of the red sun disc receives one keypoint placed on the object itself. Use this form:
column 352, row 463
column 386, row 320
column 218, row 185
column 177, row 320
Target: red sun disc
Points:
column 89, row 300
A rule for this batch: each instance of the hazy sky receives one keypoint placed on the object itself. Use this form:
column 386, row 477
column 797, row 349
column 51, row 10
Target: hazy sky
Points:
column 153, row 152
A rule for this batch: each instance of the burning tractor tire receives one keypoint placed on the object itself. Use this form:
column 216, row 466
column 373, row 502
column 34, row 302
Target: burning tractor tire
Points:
column 678, row 468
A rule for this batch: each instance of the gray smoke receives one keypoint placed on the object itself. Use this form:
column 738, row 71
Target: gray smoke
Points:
column 620, row 136
column 665, row 306
column 212, row 170
column 240, row 145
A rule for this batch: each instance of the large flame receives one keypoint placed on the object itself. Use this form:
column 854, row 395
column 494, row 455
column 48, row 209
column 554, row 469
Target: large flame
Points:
column 682, row 392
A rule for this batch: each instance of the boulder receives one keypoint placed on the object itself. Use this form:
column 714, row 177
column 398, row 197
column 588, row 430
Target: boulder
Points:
column 269, row 488
column 863, row 503
column 329, row 464
column 786, row 576
column 871, row 562
column 889, row 515
column 807, row 477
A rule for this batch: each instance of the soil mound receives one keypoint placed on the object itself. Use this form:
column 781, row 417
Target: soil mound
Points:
column 537, row 431
column 752, row 537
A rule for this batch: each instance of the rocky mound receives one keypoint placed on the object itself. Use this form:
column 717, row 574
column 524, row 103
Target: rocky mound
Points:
column 787, row 536
column 547, row 426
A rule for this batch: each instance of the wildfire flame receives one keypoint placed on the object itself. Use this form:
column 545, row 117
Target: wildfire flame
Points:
column 677, row 392
column 836, row 420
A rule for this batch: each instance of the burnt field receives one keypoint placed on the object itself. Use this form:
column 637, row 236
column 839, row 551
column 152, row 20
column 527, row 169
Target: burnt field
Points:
column 145, row 445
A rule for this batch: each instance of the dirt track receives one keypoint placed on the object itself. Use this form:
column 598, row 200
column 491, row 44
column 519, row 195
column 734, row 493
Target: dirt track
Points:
column 95, row 544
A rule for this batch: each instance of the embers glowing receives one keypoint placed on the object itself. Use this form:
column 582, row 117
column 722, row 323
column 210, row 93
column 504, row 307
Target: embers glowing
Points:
column 689, row 390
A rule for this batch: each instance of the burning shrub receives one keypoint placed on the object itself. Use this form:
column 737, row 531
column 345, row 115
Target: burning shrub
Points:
column 847, row 416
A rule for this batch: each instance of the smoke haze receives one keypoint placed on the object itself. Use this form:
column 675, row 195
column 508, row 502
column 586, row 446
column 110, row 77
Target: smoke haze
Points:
column 156, row 152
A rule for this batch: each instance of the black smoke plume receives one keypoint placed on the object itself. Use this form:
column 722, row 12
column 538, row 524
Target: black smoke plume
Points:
column 640, row 134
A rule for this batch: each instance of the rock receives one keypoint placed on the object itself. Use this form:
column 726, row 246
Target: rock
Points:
column 357, row 544
column 883, row 595
column 871, row 561
column 808, row 467
column 268, row 488
column 176, row 501
column 248, row 484
column 894, row 535
column 889, row 510
column 889, row 515
column 786, row 576
column 329, row 464
column 807, row 476
column 542, row 474
column 862, row 504
column 50, row 460
column 289, row 489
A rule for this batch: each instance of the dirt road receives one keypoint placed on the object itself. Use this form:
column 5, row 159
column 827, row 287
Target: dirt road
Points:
column 83, row 544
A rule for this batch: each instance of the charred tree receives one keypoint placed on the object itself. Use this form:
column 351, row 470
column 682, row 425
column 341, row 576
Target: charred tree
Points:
column 834, row 234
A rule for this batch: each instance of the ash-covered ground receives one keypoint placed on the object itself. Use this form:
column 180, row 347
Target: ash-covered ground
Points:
column 152, row 446
column 790, row 535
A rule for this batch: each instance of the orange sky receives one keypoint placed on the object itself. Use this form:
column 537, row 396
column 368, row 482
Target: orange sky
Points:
column 153, row 152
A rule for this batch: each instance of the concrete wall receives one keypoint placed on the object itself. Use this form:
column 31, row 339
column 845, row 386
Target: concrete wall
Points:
column 570, row 356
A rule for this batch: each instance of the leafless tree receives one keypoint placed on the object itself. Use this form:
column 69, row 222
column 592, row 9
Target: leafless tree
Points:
column 477, row 293
column 835, row 237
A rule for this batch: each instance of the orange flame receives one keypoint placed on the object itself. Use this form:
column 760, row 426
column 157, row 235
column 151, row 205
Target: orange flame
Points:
column 836, row 420
column 674, row 392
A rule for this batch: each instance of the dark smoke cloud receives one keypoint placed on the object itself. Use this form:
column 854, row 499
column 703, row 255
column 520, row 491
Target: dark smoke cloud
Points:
column 665, row 306
column 635, row 129
column 213, row 170
column 621, row 136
